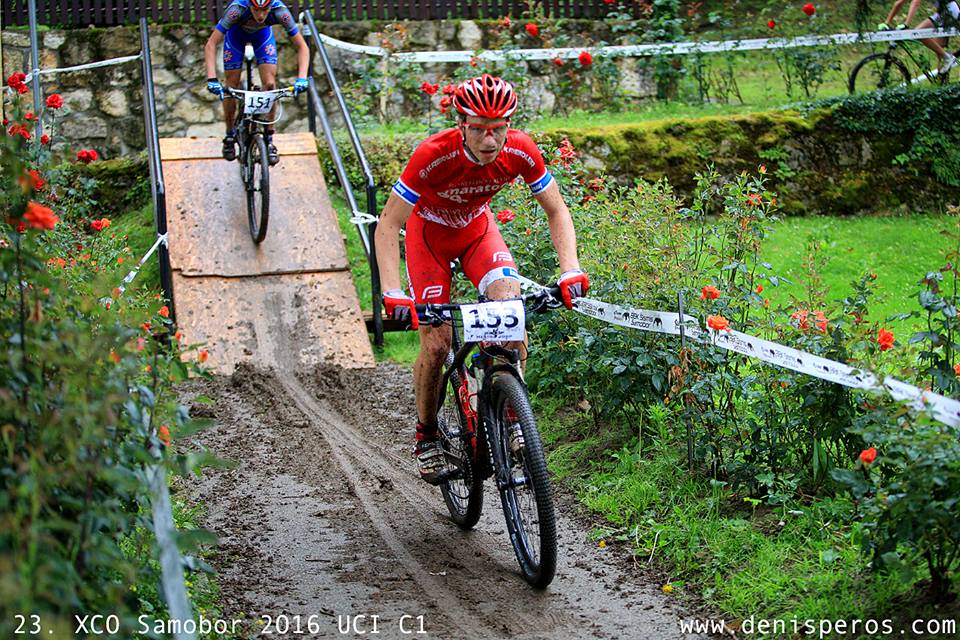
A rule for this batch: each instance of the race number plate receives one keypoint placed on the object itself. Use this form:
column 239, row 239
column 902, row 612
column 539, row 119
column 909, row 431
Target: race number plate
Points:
column 498, row 320
column 258, row 101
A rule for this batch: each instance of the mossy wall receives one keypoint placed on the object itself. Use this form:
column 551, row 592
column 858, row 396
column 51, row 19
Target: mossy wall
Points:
column 814, row 165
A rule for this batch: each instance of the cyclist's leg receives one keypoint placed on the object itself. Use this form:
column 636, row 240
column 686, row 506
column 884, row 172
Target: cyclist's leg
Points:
column 428, row 254
column 934, row 44
column 233, row 44
column 491, row 267
column 265, row 48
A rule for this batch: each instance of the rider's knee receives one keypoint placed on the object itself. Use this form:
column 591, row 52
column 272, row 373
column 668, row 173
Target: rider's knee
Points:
column 434, row 345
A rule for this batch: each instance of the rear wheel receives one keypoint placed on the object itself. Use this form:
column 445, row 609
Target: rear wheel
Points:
column 523, row 481
column 257, row 167
column 462, row 494
column 878, row 71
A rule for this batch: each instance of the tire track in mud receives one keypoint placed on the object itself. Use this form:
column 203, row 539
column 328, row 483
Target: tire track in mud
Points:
column 324, row 460
column 324, row 513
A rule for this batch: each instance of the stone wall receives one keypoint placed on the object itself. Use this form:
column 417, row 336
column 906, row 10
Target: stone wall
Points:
column 105, row 105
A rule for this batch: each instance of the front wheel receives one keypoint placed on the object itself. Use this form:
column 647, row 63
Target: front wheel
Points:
column 523, row 481
column 878, row 71
column 257, row 172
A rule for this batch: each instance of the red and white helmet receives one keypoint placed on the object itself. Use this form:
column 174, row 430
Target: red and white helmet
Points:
column 260, row 4
column 485, row 97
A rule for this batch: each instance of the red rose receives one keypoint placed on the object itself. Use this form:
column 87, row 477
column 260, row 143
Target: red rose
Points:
column 36, row 180
column 585, row 58
column 709, row 292
column 771, row 24
column 449, row 90
column 22, row 88
column 40, row 217
column 164, row 311
column 54, row 101
column 505, row 215
column 506, row 21
column 28, row 116
column 885, row 339
column 595, row 184
column 759, row 288
column 558, row 62
column 92, row 154
column 428, row 88
column 867, row 456
column 718, row 323
column 474, row 60
column 609, row 1
column 445, row 102
column 86, row 156
column 809, row 9
column 956, row 368
column 203, row 355
column 44, row 139
column 532, row 29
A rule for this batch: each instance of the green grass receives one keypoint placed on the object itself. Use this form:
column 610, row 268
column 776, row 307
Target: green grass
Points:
column 900, row 249
column 719, row 553
column 401, row 347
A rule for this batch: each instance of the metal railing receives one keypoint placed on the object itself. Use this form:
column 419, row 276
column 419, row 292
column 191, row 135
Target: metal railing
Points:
column 156, row 170
column 366, row 224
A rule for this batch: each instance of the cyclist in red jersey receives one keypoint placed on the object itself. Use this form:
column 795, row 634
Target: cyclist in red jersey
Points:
column 443, row 198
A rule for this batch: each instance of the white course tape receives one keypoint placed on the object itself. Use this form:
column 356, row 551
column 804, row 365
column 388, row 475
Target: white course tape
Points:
column 636, row 50
column 90, row 65
column 943, row 409
column 161, row 239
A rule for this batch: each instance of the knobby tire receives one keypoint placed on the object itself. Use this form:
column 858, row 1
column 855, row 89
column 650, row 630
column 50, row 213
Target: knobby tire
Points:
column 258, row 189
column 533, row 534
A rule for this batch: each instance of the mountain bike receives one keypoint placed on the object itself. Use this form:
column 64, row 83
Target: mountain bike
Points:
column 487, row 428
column 886, row 70
column 253, row 154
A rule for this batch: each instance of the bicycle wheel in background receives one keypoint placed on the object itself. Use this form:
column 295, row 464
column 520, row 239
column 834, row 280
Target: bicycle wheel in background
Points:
column 878, row 71
column 527, row 498
column 258, row 188
column 464, row 494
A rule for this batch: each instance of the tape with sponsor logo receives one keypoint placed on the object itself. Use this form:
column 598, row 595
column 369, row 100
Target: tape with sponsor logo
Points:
column 638, row 50
column 941, row 408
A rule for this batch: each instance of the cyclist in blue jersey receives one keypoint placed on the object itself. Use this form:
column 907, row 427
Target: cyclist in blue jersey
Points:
column 249, row 22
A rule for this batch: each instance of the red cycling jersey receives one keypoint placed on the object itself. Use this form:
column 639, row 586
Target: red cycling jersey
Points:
column 446, row 186
column 451, row 194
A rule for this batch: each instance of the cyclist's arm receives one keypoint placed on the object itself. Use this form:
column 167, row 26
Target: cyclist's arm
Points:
column 303, row 54
column 210, row 52
column 387, row 240
column 561, row 226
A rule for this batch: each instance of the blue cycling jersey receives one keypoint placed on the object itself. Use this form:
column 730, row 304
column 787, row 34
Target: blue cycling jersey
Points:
column 239, row 16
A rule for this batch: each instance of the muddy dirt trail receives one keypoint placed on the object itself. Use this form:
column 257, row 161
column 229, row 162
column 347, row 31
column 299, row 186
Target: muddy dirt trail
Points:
column 323, row 515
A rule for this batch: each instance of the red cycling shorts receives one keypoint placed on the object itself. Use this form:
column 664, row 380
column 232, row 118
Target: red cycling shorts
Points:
column 431, row 247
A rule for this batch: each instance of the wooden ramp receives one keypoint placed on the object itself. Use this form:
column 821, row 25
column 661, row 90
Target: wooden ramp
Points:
column 289, row 301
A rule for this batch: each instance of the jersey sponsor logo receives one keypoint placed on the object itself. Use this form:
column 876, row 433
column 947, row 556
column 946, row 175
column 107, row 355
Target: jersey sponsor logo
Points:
column 455, row 218
column 433, row 291
column 539, row 185
column 406, row 192
column 457, row 193
column 436, row 163
column 502, row 256
column 520, row 153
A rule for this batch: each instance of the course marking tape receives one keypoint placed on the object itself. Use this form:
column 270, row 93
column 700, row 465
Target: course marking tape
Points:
column 636, row 50
column 941, row 408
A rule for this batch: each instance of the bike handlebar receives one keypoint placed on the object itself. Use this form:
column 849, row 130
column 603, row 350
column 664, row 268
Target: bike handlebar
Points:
column 540, row 301
column 237, row 94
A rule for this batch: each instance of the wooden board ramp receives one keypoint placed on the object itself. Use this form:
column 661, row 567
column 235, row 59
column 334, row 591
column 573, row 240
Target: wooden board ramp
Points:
column 289, row 301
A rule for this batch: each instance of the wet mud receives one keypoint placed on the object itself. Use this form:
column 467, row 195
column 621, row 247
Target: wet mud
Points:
column 325, row 529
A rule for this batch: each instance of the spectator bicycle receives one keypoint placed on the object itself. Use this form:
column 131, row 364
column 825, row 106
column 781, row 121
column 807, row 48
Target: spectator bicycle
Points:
column 253, row 153
column 887, row 70
column 487, row 428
